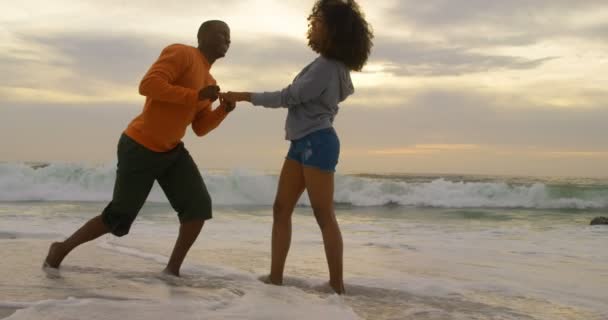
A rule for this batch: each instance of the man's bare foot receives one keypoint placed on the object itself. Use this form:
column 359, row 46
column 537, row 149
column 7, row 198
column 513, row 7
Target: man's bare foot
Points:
column 55, row 256
column 167, row 271
column 268, row 280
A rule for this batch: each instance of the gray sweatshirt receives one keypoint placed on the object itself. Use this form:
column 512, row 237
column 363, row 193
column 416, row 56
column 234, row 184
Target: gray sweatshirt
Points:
column 312, row 98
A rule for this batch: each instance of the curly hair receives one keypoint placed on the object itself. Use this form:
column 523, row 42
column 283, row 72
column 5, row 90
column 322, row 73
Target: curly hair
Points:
column 348, row 36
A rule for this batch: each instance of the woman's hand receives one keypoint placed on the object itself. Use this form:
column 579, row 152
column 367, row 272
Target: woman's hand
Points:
column 232, row 96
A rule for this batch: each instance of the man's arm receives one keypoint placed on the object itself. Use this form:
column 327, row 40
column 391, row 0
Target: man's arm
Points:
column 207, row 120
column 158, row 81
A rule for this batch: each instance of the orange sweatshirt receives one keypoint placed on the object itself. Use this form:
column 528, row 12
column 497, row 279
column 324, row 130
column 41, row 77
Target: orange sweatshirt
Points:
column 171, row 89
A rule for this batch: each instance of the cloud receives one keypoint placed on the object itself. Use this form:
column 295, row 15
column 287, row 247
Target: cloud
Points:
column 437, row 130
column 465, row 117
column 264, row 63
column 449, row 12
column 76, row 67
column 425, row 149
column 490, row 23
column 575, row 154
column 453, row 149
column 598, row 32
column 80, row 64
column 119, row 58
column 416, row 58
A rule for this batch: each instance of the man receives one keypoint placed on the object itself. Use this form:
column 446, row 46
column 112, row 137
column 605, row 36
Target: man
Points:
column 179, row 91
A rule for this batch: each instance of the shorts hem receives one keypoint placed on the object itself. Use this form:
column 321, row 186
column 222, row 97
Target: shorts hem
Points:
column 319, row 168
column 188, row 218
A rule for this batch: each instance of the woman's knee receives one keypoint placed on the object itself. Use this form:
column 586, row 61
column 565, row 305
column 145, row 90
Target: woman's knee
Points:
column 324, row 216
column 281, row 213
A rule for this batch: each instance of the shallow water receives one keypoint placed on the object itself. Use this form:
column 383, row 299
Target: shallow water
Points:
column 400, row 263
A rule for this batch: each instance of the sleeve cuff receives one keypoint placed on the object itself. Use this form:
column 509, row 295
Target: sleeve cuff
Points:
column 266, row 99
column 256, row 98
column 222, row 111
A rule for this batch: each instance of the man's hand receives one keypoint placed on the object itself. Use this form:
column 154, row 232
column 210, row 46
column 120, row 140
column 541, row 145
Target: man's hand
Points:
column 227, row 105
column 210, row 92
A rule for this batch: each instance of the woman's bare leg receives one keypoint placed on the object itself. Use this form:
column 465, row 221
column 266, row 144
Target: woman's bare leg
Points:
column 290, row 188
column 320, row 187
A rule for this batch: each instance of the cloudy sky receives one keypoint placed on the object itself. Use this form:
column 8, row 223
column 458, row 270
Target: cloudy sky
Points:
column 514, row 87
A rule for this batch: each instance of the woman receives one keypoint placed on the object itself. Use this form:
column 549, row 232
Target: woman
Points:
column 340, row 35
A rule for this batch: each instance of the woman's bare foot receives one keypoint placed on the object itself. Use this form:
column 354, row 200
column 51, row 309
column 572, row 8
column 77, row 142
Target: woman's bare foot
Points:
column 55, row 256
column 338, row 288
column 268, row 280
column 167, row 271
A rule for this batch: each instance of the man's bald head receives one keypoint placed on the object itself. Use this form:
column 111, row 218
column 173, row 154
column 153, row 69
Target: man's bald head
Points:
column 214, row 39
column 209, row 27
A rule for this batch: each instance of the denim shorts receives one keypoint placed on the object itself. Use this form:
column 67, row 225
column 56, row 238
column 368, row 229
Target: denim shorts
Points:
column 319, row 149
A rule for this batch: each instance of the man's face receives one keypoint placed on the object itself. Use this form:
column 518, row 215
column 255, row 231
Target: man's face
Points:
column 217, row 40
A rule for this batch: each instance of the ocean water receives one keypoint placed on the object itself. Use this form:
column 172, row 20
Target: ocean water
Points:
column 416, row 247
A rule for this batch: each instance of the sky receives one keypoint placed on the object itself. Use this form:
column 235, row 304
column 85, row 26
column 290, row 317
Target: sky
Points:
column 514, row 87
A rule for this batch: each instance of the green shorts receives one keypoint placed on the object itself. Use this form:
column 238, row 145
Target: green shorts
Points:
column 138, row 168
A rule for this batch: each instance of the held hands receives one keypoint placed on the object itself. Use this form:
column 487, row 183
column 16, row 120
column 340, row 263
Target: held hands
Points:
column 227, row 105
column 228, row 99
column 212, row 93
column 236, row 96
column 209, row 93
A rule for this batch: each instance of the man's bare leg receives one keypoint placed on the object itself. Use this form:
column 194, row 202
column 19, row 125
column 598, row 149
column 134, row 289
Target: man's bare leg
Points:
column 91, row 230
column 188, row 232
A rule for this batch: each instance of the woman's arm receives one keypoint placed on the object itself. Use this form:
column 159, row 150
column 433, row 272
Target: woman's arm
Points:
column 236, row 96
column 308, row 86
